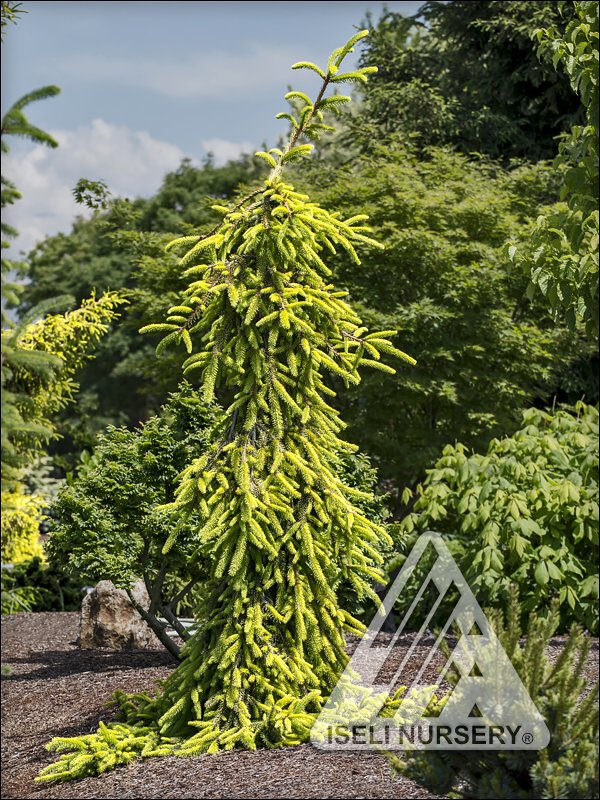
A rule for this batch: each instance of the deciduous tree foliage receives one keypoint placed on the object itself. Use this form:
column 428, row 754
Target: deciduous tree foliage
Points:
column 443, row 278
column 525, row 512
column 466, row 74
column 562, row 254
column 485, row 352
column 277, row 528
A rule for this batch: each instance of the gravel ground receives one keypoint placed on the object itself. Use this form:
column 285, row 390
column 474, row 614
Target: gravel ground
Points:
column 55, row 689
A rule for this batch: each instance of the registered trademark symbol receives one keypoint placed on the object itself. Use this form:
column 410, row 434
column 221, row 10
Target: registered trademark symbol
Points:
column 527, row 738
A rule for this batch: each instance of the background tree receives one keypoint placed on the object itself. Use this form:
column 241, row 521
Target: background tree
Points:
column 485, row 351
column 123, row 245
column 562, row 255
column 20, row 530
column 444, row 280
column 466, row 74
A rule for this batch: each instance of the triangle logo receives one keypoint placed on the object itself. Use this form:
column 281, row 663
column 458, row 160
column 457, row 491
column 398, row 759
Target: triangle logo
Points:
column 449, row 686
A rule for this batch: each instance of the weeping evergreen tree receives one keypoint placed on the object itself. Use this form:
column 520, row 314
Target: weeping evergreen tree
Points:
column 279, row 530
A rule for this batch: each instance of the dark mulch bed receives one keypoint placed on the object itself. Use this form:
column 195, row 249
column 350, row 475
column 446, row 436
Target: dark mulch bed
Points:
column 55, row 689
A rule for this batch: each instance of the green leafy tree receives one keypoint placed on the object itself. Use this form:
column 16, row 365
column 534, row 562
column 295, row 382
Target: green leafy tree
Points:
column 524, row 513
column 279, row 530
column 465, row 74
column 107, row 522
column 562, row 254
column 485, row 352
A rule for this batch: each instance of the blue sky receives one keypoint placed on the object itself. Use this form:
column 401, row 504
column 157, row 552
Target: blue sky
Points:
column 146, row 83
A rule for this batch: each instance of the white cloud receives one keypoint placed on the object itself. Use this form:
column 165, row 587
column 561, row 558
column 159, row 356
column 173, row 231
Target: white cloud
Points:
column 224, row 150
column 207, row 74
column 132, row 163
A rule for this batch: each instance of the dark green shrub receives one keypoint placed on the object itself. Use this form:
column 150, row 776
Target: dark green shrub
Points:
column 108, row 524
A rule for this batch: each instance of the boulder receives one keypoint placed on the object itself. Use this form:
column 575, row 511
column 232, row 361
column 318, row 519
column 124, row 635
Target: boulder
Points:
column 109, row 620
